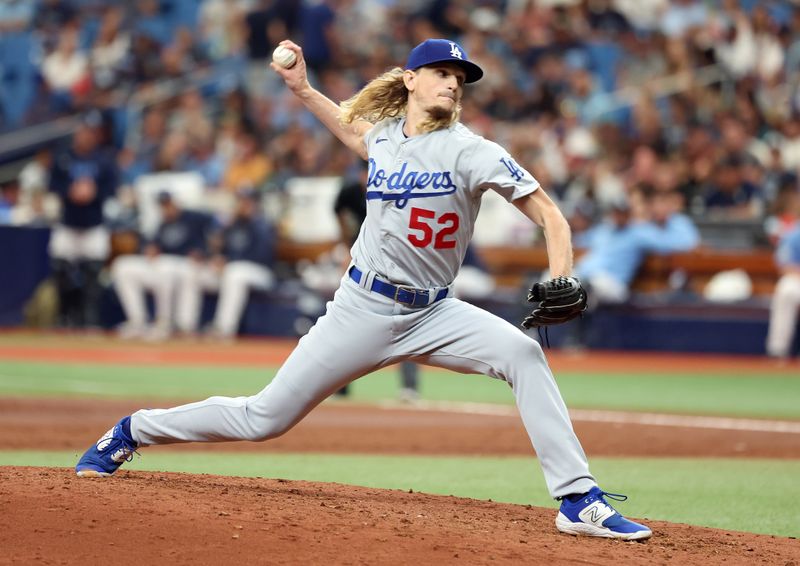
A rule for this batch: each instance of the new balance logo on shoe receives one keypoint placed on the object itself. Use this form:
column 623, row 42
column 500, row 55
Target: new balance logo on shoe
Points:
column 105, row 440
column 596, row 513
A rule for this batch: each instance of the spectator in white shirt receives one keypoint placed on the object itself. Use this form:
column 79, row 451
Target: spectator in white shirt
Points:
column 64, row 69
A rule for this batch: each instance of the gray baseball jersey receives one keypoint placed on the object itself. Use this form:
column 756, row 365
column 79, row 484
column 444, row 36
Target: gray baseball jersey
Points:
column 423, row 196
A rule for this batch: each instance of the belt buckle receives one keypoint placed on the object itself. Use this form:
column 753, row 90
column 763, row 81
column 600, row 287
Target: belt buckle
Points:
column 412, row 290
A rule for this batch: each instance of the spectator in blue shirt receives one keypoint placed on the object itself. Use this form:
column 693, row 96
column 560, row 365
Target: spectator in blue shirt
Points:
column 150, row 23
column 316, row 22
column 245, row 252
column 203, row 159
column 786, row 299
column 178, row 244
column 617, row 247
column 613, row 255
column 668, row 230
column 140, row 154
column 84, row 177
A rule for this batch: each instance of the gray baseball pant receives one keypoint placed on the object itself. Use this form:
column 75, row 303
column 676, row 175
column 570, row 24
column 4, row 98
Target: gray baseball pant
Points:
column 363, row 331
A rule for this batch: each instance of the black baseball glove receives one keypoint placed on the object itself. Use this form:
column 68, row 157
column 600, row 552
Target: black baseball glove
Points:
column 560, row 299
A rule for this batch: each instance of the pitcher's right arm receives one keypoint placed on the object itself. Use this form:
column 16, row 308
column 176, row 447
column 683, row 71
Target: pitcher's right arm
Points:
column 326, row 110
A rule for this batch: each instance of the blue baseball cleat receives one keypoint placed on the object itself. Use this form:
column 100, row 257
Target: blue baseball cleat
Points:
column 591, row 515
column 104, row 457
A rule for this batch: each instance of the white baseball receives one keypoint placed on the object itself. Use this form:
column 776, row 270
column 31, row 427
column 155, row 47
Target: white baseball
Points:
column 284, row 57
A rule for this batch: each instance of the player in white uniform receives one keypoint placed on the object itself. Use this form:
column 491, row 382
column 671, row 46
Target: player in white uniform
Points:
column 427, row 173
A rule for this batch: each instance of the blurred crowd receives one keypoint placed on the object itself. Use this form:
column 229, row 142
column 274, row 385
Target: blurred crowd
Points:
column 596, row 97
column 603, row 100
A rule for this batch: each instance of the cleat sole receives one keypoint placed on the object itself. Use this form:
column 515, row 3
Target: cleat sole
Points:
column 584, row 529
column 92, row 474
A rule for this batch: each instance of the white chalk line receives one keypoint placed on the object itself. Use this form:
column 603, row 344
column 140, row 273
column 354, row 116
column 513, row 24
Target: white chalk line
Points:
column 617, row 417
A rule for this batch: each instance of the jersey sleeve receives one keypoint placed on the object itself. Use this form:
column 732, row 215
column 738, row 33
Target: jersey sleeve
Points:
column 373, row 131
column 491, row 167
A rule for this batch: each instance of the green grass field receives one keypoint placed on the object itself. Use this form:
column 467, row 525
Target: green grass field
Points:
column 747, row 495
column 740, row 395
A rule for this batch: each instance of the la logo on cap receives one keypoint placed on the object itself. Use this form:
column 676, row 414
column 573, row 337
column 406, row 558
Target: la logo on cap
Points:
column 432, row 51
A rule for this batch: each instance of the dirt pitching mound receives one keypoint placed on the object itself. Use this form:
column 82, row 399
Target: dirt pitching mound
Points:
column 48, row 515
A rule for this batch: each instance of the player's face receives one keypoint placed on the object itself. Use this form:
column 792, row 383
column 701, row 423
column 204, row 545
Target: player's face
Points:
column 437, row 89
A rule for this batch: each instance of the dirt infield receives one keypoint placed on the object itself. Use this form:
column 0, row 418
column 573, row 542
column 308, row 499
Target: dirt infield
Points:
column 104, row 349
column 50, row 516
column 72, row 424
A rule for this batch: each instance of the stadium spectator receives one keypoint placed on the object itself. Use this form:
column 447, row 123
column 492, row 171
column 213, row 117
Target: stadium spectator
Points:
column 34, row 208
column 16, row 16
column 785, row 211
column 191, row 116
column 786, row 298
column 172, row 153
column 667, row 229
column 789, row 143
column 140, row 153
column 84, row 176
column 683, row 17
column 705, row 86
column 147, row 65
column 266, row 23
column 317, row 21
column 182, row 55
column 729, row 195
column 52, row 17
column 222, row 28
column 241, row 261
column 35, row 175
column 586, row 100
column 617, row 247
column 249, row 166
column 65, row 69
column 203, row 159
column 109, row 54
column 9, row 199
column 179, row 241
column 149, row 22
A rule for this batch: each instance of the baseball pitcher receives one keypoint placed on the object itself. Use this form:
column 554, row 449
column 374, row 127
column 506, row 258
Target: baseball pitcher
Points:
column 427, row 174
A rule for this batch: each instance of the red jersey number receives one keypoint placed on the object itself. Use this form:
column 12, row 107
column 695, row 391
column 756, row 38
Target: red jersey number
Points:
column 420, row 222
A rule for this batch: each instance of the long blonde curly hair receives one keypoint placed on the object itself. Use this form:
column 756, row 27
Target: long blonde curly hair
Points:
column 387, row 97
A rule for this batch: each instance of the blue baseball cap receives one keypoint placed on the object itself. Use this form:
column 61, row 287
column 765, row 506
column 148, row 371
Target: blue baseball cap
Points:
column 433, row 51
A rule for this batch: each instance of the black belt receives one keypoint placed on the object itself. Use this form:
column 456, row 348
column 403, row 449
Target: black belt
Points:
column 401, row 293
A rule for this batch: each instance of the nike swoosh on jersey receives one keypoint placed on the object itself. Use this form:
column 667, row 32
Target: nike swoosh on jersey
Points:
column 379, row 140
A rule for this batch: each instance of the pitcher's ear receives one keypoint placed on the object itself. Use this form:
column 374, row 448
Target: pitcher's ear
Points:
column 410, row 79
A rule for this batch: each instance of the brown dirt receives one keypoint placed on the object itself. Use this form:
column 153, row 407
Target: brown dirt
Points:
column 50, row 516
column 104, row 349
column 72, row 424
